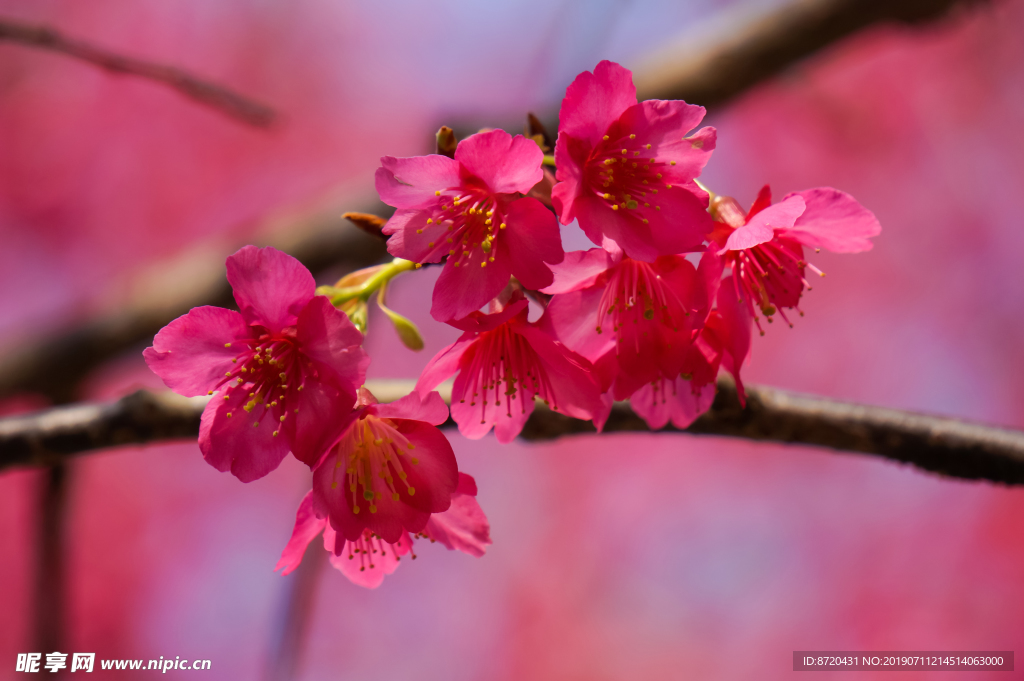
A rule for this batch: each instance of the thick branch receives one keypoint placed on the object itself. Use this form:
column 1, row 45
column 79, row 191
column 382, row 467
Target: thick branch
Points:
column 751, row 50
column 941, row 445
column 202, row 91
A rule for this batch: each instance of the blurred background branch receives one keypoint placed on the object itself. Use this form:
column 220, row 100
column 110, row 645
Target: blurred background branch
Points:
column 198, row 89
column 947, row 446
column 746, row 53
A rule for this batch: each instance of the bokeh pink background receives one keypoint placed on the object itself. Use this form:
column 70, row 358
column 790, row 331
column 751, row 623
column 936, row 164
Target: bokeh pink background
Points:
column 615, row 557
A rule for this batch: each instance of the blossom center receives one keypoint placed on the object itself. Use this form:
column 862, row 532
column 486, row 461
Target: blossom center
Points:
column 474, row 220
column 374, row 460
column 626, row 176
column 769, row 277
column 268, row 370
column 502, row 356
column 636, row 294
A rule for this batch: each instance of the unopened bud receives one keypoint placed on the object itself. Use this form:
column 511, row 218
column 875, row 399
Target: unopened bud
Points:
column 408, row 333
column 368, row 222
column 446, row 142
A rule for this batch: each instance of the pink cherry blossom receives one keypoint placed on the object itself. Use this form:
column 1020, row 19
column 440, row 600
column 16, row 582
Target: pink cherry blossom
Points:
column 627, row 169
column 764, row 247
column 285, row 368
column 368, row 558
column 470, row 210
column 683, row 398
column 389, row 470
column 503, row 363
column 635, row 321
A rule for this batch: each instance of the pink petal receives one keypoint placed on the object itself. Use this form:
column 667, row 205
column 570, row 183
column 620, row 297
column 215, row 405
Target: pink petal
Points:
column 465, row 289
column 271, row 287
column 327, row 336
column 762, row 225
column 578, row 270
column 323, row 414
column 834, row 220
column 738, row 323
column 678, row 227
column 594, row 100
column 427, row 246
column 479, row 322
column 467, row 409
column 573, row 386
column 307, row 526
column 358, row 569
column 234, row 443
column 663, row 124
column 531, row 239
column 412, row 182
column 673, row 400
column 444, row 364
column 191, row 354
column 571, row 156
column 506, row 164
column 572, row 319
column 463, row 526
column 429, row 408
column 467, row 485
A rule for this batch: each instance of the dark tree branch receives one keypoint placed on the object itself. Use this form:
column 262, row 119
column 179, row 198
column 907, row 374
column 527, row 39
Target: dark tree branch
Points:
column 203, row 91
column 941, row 445
column 756, row 50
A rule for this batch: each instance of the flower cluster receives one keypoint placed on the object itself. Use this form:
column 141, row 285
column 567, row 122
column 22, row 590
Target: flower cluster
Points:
column 670, row 294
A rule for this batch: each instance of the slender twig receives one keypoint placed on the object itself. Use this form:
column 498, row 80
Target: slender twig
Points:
column 203, row 91
column 941, row 445
column 49, row 610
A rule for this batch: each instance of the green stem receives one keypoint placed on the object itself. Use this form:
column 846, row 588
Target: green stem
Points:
column 549, row 160
column 339, row 296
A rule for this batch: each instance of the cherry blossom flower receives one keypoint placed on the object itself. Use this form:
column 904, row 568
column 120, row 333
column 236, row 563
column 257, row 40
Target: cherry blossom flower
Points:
column 764, row 247
column 470, row 210
column 683, row 398
column 635, row 321
column 503, row 363
column 283, row 368
column 389, row 470
column 368, row 558
column 627, row 169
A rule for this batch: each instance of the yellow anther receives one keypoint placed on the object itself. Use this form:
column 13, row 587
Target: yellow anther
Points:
column 210, row 392
column 415, row 461
column 355, row 509
column 274, row 434
column 623, row 151
column 605, row 138
column 431, row 244
column 671, row 163
column 402, row 475
column 645, row 221
column 487, row 221
column 229, row 414
column 502, row 226
column 394, row 497
column 647, row 147
column 227, row 345
column 239, row 379
column 437, row 193
column 615, row 206
column 483, row 264
column 373, row 509
column 607, row 195
column 430, row 221
column 419, row 231
column 658, row 176
column 282, row 416
column 632, row 137
column 411, row 491
column 227, row 373
column 379, row 441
